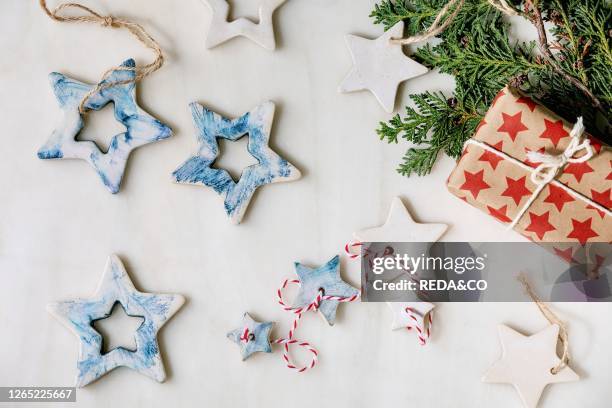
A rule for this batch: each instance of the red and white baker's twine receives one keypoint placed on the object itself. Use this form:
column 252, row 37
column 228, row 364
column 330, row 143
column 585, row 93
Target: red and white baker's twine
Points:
column 349, row 245
column 423, row 333
column 297, row 312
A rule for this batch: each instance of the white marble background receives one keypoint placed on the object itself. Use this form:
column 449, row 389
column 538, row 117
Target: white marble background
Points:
column 58, row 223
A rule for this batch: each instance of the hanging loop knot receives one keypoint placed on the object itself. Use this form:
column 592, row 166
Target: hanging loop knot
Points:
column 108, row 21
column 550, row 165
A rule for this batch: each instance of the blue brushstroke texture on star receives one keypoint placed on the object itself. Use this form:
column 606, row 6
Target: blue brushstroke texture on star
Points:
column 326, row 277
column 259, row 341
column 79, row 314
column 141, row 128
column 210, row 126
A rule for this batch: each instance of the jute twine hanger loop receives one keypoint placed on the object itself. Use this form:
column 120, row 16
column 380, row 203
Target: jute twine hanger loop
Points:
column 445, row 17
column 90, row 16
column 553, row 319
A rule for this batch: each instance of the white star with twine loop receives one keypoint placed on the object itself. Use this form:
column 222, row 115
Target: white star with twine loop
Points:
column 380, row 66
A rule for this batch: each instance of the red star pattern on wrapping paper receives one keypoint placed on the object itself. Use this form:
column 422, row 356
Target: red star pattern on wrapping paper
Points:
column 530, row 163
column 492, row 158
column 554, row 131
column 527, row 101
column 539, row 224
column 512, row 125
column 578, row 170
column 558, row 196
column 474, row 183
column 499, row 95
column 516, row 189
column 565, row 254
column 596, row 144
column 603, row 198
column 582, row 230
column 481, row 124
column 499, row 213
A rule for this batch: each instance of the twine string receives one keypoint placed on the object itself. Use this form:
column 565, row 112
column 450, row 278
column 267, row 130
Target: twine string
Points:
column 553, row 319
column 91, row 16
column 440, row 23
column 445, row 17
column 298, row 312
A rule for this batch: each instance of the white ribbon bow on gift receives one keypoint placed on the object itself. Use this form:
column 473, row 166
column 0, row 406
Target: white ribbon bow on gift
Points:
column 550, row 165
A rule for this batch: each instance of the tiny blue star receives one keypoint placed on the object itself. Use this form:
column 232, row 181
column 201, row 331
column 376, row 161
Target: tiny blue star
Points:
column 327, row 278
column 252, row 336
column 141, row 128
column 271, row 168
column 116, row 286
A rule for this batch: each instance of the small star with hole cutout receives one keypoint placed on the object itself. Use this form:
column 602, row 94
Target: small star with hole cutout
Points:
column 327, row 279
column 252, row 336
column 526, row 363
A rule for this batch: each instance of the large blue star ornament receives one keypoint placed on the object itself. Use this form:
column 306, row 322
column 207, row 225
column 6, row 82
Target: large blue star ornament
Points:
column 141, row 128
column 327, row 279
column 116, row 287
column 252, row 336
column 271, row 168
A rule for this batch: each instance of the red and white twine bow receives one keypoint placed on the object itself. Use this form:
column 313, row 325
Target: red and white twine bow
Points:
column 297, row 312
column 423, row 333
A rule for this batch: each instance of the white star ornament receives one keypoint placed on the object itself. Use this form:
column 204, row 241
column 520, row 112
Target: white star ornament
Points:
column 380, row 66
column 526, row 363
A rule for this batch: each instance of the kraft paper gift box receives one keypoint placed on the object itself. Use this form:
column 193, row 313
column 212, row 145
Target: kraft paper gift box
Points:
column 494, row 174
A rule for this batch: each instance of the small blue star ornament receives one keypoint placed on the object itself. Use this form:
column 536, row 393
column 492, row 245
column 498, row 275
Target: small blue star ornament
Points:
column 252, row 336
column 141, row 128
column 116, row 287
column 271, row 168
column 325, row 279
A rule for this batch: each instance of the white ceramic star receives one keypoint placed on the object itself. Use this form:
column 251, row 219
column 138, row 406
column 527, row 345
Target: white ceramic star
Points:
column 401, row 317
column 116, row 286
column 400, row 227
column 380, row 66
column 221, row 30
column 526, row 363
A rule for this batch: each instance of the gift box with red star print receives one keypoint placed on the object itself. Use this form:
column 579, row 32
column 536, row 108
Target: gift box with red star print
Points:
column 494, row 183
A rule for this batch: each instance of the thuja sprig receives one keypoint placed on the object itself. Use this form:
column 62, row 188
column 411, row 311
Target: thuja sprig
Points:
column 570, row 71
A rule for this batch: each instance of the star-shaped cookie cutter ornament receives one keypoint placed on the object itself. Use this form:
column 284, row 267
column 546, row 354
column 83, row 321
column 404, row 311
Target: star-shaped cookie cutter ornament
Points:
column 141, row 127
column 270, row 167
column 116, row 286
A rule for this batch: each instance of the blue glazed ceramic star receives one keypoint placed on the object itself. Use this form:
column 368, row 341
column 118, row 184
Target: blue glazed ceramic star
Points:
column 257, row 338
column 141, row 128
column 271, row 168
column 326, row 277
column 116, row 286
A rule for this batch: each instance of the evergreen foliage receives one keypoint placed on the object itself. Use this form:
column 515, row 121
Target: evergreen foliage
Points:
column 476, row 50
